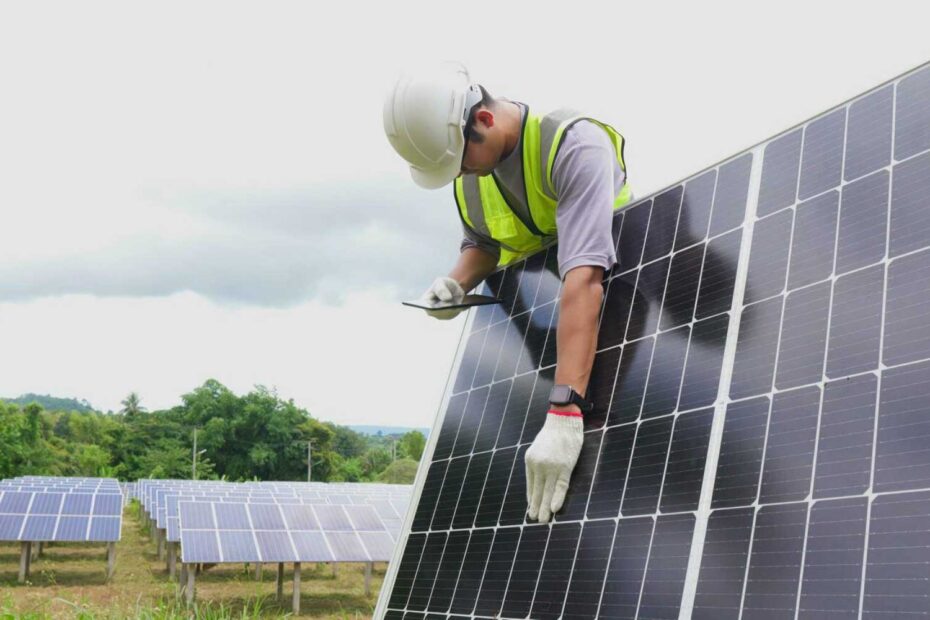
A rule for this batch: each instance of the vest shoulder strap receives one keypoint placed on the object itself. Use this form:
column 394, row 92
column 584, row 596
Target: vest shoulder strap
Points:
column 552, row 127
column 552, row 130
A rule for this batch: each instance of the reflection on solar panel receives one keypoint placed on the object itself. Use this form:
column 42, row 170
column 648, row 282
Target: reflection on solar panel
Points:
column 759, row 442
column 216, row 532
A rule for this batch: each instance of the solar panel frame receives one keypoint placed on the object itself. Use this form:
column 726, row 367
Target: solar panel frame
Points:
column 808, row 154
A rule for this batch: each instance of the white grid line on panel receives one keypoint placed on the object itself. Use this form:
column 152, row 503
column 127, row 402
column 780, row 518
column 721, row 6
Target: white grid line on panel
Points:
column 823, row 363
column 252, row 533
column 216, row 532
column 870, row 491
column 702, row 514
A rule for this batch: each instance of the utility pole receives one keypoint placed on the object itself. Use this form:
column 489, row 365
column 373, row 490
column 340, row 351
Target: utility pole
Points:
column 194, row 458
column 309, row 461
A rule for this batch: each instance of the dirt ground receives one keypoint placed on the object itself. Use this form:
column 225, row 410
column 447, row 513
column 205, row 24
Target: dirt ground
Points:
column 69, row 581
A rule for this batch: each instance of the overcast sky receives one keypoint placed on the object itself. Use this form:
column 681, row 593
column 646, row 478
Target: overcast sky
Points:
column 203, row 189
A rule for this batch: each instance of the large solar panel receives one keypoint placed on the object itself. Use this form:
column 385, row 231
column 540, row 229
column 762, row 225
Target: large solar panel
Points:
column 759, row 446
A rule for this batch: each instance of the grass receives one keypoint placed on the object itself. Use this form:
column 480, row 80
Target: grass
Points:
column 69, row 581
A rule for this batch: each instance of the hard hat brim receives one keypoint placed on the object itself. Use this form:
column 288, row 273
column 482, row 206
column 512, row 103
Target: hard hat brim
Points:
column 436, row 178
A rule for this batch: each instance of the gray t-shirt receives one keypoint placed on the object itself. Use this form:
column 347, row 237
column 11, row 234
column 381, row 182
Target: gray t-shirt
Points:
column 587, row 178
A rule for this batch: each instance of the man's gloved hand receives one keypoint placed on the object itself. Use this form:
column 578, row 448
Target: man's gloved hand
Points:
column 444, row 289
column 550, row 461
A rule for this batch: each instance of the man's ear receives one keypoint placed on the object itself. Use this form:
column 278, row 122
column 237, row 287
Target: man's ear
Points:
column 485, row 117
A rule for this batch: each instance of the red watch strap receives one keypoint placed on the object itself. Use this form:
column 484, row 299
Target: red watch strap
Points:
column 567, row 414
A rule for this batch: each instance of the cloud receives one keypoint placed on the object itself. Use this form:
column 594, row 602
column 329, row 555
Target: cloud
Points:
column 369, row 360
column 273, row 247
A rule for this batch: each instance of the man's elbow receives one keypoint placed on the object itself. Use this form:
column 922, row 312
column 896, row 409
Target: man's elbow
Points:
column 584, row 281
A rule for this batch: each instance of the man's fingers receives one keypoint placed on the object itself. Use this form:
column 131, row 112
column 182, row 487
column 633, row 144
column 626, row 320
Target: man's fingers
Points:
column 536, row 501
column 443, row 293
column 561, row 489
column 548, row 490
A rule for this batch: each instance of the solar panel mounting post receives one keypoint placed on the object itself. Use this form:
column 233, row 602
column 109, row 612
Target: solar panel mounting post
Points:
column 296, row 598
column 189, row 591
column 24, row 559
column 111, row 559
column 280, row 581
column 172, row 559
column 368, row 578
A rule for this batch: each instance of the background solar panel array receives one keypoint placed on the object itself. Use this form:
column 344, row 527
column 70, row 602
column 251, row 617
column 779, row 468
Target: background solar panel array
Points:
column 265, row 532
column 820, row 503
column 390, row 512
column 160, row 498
column 62, row 516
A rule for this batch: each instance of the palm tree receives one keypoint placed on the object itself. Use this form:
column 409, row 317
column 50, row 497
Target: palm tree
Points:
column 131, row 405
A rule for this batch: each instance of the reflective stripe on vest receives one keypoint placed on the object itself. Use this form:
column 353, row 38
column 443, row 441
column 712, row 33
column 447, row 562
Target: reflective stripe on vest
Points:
column 521, row 230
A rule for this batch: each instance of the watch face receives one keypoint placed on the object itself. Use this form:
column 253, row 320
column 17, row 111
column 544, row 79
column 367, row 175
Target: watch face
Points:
column 560, row 395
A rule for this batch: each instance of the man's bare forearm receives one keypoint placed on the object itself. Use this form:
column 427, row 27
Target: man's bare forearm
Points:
column 576, row 337
column 472, row 267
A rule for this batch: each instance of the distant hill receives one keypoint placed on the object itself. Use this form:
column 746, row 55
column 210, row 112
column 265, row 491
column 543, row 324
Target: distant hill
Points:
column 386, row 430
column 52, row 403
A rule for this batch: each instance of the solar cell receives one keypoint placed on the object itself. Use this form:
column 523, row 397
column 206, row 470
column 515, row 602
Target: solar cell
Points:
column 346, row 547
column 72, row 529
column 311, row 547
column 759, row 443
column 11, row 526
column 14, row 502
column 39, row 528
column 333, row 518
column 104, row 529
column 300, row 517
column 200, row 546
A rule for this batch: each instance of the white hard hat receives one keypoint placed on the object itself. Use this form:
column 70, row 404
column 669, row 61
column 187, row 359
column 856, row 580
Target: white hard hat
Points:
column 424, row 119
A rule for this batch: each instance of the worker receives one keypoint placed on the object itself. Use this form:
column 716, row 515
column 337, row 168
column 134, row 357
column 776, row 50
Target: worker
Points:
column 521, row 179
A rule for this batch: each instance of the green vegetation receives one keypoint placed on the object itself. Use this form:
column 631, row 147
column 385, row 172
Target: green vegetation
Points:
column 256, row 436
column 51, row 402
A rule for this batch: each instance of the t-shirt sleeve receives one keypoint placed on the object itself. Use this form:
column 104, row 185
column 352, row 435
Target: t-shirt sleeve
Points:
column 586, row 177
column 471, row 239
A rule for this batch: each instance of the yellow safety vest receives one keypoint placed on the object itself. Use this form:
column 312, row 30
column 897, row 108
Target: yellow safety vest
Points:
column 520, row 231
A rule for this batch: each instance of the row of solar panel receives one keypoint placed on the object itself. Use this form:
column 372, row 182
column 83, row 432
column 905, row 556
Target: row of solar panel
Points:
column 391, row 519
column 61, row 517
column 229, row 532
column 96, row 504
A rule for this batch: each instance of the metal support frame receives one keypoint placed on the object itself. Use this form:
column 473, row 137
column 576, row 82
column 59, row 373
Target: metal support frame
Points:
column 368, row 566
column 279, row 582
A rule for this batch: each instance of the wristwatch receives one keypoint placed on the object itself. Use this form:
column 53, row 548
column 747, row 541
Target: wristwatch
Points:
column 562, row 395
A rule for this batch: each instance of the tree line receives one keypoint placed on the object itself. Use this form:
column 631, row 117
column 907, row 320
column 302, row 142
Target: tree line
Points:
column 255, row 436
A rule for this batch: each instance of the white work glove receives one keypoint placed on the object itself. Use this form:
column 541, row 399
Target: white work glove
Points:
column 443, row 289
column 549, row 463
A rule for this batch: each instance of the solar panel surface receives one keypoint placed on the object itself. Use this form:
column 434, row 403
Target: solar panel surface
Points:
column 39, row 516
column 759, row 441
column 211, row 531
